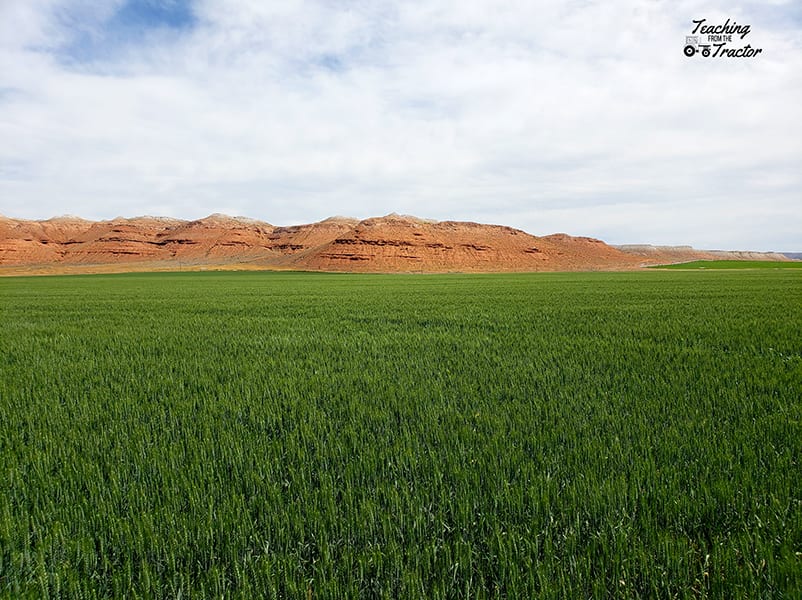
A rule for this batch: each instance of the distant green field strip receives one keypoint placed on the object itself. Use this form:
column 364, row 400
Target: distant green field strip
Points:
column 285, row 435
column 733, row 264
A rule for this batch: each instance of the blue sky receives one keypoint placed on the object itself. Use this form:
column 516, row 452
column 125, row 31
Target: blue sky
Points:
column 583, row 117
column 129, row 25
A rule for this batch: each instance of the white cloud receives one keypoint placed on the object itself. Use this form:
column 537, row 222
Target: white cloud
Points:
column 582, row 117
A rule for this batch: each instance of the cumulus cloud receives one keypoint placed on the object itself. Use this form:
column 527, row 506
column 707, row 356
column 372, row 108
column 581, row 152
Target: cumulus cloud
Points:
column 582, row 117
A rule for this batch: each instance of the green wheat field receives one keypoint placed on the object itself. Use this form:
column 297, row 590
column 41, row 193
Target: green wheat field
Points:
column 288, row 435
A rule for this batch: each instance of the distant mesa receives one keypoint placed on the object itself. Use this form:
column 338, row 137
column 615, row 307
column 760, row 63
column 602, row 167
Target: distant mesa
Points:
column 392, row 243
column 679, row 254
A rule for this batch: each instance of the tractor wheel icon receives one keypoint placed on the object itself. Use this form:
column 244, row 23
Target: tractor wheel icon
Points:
column 706, row 52
column 690, row 50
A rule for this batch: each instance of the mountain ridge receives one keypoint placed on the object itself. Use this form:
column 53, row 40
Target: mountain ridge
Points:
column 389, row 243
